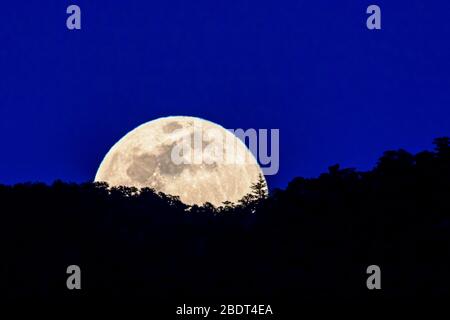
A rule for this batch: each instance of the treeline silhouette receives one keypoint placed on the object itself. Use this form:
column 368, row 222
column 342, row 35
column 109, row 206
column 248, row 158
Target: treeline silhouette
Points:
column 310, row 242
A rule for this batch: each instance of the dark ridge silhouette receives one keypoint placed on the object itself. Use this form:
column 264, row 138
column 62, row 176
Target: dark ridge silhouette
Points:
column 310, row 242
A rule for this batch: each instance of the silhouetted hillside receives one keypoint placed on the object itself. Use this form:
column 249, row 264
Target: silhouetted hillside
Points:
column 312, row 241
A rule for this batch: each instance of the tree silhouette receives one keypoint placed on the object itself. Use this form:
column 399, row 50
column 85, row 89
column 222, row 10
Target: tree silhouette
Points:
column 311, row 241
column 259, row 188
column 442, row 145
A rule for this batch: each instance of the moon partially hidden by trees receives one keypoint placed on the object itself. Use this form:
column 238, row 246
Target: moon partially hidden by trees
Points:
column 145, row 158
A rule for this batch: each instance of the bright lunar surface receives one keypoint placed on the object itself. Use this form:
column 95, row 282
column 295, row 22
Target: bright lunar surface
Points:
column 192, row 158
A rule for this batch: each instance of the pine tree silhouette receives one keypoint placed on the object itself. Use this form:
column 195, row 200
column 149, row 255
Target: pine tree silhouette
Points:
column 259, row 189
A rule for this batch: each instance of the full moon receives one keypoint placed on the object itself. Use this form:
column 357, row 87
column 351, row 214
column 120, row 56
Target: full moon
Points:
column 189, row 157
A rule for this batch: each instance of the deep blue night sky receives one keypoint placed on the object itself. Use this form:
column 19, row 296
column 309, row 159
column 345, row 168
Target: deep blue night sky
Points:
column 338, row 92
